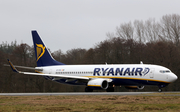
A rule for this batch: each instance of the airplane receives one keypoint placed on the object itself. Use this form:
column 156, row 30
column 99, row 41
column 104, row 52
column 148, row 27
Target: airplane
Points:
column 106, row 76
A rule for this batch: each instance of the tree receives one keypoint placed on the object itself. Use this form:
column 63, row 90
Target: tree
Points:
column 152, row 30
column 125, row 31
column 170, row 28
column 89, row 56
column 140, row 30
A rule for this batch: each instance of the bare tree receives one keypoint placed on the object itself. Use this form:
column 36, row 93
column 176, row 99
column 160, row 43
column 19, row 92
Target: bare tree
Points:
column 139, row 30
column 152, row 30
column 110, row 35
column 170, row 28
column 58, row 55
column 89, row 56
column 125, row 31
column 75, row 56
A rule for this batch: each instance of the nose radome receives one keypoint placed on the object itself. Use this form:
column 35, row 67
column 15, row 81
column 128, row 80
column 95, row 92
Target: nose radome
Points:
column 173, row 77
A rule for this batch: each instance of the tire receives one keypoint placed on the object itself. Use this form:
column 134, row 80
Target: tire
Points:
column 159, row 90
column 87, row 89
column 110, row 89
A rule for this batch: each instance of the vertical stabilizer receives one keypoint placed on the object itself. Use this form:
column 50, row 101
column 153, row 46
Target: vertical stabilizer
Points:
column 43, row 57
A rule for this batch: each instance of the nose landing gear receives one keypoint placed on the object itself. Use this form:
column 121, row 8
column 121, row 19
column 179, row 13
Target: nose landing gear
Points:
column 161, row 86
column 159, row 90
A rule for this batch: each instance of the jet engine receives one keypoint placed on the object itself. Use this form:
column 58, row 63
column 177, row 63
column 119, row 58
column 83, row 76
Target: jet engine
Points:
column 98, row 84
column 135, row 87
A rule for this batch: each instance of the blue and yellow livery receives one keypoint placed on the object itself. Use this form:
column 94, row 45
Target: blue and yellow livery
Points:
column 132, row 76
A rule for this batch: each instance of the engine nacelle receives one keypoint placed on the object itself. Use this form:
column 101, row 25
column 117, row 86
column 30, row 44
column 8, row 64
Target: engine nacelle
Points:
column 98, row 84
column 134, row 87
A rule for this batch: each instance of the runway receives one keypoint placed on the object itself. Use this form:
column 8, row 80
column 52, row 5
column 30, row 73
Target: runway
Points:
column 94, row 93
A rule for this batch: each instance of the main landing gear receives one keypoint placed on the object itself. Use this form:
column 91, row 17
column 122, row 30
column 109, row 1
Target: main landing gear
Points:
column 87, row 89
column 110, row 88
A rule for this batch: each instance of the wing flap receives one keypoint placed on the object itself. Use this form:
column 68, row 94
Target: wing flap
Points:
column 55, row 75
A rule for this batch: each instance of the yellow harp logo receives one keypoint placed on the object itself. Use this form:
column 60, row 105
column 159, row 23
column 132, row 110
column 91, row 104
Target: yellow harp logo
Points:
column 40, row 49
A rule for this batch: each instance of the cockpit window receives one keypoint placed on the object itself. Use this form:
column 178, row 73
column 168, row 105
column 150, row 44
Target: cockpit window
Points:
column 165, row 71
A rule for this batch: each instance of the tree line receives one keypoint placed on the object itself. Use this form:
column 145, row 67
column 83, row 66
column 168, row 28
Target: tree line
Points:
column 153, row 42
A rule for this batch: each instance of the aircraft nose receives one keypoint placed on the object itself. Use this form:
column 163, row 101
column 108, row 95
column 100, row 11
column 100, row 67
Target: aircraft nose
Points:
column 173, row 77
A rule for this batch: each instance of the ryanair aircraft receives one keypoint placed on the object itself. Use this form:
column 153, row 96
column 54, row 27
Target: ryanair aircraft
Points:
column 132, row 76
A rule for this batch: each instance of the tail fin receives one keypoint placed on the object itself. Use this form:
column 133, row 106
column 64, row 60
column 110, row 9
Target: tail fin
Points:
column 43, row 57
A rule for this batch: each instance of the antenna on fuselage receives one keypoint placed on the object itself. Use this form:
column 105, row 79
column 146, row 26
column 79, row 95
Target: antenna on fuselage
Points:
column 141, row 62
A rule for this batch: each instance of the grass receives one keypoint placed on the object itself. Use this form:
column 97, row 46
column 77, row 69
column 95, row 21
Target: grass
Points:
column 89, row 103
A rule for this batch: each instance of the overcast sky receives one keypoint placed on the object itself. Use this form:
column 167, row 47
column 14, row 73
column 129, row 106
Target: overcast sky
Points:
column 68, row 24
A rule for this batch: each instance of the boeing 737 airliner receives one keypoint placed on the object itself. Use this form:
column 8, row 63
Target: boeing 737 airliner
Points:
column 132, row 76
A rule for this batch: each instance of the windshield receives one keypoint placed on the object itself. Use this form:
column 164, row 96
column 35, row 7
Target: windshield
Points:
column 165, row 71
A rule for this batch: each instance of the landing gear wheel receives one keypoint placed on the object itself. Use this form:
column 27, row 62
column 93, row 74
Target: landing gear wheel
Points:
column 160, row 90
column 87, row 89
column 110, row 89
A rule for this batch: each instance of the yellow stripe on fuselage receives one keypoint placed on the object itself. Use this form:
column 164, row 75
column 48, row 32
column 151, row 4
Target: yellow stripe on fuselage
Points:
column 126, row 78
column 119, row 78
column 95, row 85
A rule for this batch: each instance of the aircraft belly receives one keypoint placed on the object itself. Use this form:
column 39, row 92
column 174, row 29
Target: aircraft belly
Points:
column 128, row 82
column 137, row 82
column 74, row 82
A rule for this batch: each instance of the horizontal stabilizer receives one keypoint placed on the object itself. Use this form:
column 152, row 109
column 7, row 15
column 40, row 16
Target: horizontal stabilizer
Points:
column 30, row 68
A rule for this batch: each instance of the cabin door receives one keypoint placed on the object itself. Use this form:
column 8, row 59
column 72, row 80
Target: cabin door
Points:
column 50, row 71
column 151, row 73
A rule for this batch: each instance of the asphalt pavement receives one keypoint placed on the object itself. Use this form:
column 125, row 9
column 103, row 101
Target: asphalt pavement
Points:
column 94, row 93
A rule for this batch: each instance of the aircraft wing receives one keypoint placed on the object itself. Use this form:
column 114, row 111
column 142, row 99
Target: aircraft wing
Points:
column 50, row 75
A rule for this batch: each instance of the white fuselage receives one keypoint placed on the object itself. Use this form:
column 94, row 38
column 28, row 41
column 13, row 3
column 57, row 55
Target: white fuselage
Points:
column 121, row 74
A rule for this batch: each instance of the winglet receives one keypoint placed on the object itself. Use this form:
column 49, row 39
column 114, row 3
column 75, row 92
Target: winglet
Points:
column 12, row 66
